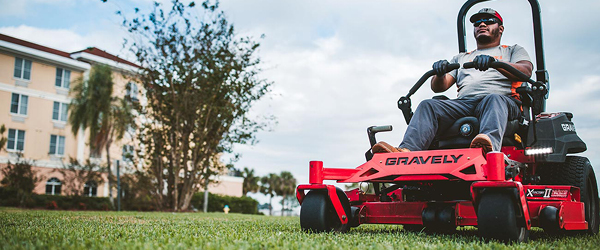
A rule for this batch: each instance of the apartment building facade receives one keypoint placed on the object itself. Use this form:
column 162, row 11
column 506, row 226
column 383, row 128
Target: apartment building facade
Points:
column 34, row 98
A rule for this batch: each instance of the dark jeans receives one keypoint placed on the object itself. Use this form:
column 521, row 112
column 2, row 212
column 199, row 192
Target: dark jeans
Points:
column 435, row 116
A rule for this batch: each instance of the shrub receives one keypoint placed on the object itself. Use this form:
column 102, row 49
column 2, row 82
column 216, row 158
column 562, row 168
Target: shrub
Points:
column 243, row 205
column 21, row 179
column 9, row 198
column 52, row 205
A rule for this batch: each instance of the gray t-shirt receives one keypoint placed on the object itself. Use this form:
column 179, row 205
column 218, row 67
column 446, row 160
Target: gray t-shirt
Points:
column 473, row 83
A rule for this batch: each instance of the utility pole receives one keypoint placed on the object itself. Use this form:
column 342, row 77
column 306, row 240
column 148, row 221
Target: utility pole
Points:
column 118, row 188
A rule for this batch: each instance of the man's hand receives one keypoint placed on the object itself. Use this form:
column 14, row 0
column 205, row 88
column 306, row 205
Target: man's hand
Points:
column 440, row 67
column 482, row 62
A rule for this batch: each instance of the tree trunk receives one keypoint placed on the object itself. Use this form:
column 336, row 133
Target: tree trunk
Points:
column 271, row 205
column 282, row 205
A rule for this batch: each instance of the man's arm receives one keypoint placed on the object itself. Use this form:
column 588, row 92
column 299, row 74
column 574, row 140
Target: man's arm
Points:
column 524, row 66
column 442, row 83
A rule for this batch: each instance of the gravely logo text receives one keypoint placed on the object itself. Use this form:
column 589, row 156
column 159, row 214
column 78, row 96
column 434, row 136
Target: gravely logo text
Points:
column 436, row 159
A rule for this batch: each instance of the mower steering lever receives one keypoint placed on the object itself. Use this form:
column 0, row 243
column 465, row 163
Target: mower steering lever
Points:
column 404, row 102
column 426, row 76
column 505, row 66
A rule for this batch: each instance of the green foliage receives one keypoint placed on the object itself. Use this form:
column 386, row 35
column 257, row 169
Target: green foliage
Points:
column 243, row 205
column 286, row 188
column 268, row 186
column 250, row 181
column 76, row 175
column 95, row 108
column 42, row 229
column 91, row 105
column 138, row 192
column 201, row 81
column 8, row 198
column 20, row 179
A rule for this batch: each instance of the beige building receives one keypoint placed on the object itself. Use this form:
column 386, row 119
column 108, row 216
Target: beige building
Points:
column 34, row 96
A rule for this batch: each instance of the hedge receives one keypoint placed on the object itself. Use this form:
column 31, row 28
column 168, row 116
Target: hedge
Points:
column 9, row 198
column 243, row 205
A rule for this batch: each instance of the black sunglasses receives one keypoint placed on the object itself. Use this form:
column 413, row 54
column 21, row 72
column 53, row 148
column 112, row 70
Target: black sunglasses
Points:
column 487, row 21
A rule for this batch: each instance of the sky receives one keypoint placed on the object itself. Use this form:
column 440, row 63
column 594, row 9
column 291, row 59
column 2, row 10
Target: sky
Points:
column 339, row 66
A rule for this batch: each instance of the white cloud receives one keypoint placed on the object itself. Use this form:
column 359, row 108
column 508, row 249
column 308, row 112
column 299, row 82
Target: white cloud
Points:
column 12, row 8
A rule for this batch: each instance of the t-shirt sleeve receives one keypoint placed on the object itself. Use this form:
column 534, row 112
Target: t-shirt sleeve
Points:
column 519, row 54
column 453, row 73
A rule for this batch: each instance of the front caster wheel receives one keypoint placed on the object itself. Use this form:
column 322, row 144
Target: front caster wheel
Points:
column 496, row 218
column 318, row 215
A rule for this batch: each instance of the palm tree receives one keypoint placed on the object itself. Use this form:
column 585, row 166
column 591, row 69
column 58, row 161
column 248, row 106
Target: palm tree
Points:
column 269, row 185
column 2, row 138
column 287, row 187
column 94, row 107
column 250, row 181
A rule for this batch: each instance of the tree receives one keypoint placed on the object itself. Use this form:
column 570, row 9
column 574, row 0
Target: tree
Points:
column 250, row 182
column 268, row 186
column 20, row 178
column 76, row 175
column 95, row 108
column 201, row 82
column 286, row 188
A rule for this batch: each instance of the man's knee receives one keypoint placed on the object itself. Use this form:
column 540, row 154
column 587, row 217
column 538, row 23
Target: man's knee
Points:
column 428, row 104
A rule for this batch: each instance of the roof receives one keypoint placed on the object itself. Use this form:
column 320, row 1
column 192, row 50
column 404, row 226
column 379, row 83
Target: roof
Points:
column 36, row 46
column 101, row 53
column 91, row 50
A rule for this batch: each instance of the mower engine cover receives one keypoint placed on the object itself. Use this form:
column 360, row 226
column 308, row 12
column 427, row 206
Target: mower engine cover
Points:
column 556, row 132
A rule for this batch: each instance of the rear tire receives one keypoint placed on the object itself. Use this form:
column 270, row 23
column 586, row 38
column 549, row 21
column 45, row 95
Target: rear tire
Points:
column 496, row 218
column 318, row 215
column 576, row 171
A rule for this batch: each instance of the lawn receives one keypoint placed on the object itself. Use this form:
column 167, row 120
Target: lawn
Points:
column 25, row 229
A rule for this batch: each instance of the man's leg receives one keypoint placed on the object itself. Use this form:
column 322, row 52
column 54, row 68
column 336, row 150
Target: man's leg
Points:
column 432, row 116
column 494, row 112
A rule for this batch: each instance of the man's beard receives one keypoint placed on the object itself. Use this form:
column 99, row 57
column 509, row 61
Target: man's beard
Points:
column 487, row 39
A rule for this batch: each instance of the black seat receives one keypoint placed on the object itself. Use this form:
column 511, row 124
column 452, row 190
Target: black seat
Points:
column 462, row 132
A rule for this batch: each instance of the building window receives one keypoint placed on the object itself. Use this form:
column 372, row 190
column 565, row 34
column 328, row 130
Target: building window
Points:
column 16, row 140
column 22, row 69
column 59, row 112
column 53, row 186
column 18, row 104
column 90, row 189
column 63, row 78
column 127, row 153
column 57, row 145
column 132, row 91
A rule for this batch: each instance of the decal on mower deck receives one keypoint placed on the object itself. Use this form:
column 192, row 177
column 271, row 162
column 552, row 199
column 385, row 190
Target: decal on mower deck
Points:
column 435, row 159
column 548, row 193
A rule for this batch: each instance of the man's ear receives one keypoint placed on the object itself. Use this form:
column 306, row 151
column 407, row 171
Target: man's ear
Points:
column 501, row 29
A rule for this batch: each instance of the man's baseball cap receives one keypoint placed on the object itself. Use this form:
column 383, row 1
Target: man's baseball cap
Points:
column 486, row 12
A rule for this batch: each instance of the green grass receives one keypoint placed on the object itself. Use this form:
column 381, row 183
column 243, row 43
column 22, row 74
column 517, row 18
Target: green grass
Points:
column 26, row 229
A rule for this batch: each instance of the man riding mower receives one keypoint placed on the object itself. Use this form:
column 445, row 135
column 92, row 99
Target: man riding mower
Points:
column 493, row 158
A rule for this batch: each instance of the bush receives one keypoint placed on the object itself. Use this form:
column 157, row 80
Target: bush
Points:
column 73, row 202
column 21, row 179
column 243, row 205
column 9, row 198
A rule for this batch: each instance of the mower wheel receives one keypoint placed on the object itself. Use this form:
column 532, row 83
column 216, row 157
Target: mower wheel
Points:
column 496, row 218
column 318, row 215
column 576, row 171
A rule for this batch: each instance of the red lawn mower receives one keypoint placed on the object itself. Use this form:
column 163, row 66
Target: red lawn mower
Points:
column 534, row 181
